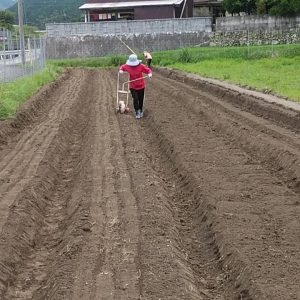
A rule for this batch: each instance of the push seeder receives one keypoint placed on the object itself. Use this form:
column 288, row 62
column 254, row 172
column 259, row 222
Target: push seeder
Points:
column 123, row 94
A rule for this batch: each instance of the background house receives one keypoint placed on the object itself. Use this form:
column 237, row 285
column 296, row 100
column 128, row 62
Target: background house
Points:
column 208, row 8
column 112, row 10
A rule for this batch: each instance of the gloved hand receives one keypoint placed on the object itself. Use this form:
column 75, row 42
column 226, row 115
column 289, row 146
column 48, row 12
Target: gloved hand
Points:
column 150, row 75
column 121, row 71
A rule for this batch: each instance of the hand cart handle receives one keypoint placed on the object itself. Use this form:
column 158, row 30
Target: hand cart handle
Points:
column 127, row 82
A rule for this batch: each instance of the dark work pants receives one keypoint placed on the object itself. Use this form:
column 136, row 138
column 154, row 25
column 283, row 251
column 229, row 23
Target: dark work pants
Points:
column 138, row 98
column 149, row 62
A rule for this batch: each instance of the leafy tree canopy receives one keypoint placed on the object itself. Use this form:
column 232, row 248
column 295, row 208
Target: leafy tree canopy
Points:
column 40, row 12
column 7, row 19
column 272, row 7
column 285, row 8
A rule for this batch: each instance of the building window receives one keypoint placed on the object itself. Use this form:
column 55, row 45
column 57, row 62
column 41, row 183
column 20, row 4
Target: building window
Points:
column 128, row 15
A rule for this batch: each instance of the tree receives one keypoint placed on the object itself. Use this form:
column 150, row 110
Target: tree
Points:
column 278, row 7
column 238, row 6
column 248, row 6
column 285, row 8
column 6, row 19
column 232, row 6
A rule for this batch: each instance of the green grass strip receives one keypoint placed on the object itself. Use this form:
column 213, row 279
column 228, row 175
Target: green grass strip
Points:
column 277, row 75
column 267, row 68
column 94, row 62
column 199, row 54
column 272, row 69
column 15, row 93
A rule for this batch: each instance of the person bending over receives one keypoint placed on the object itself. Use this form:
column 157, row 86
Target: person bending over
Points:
column 148, row 58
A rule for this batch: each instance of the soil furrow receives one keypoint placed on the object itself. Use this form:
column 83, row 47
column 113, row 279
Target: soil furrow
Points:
column 44, row 192
column 19, row 166
column 113, row 273
column 159, row 185
column 239, row 188
column 278, row 148
column 197, row 200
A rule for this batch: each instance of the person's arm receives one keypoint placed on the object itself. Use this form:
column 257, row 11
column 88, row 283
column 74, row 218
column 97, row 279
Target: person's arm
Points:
column 147, row 70
column 122, row 69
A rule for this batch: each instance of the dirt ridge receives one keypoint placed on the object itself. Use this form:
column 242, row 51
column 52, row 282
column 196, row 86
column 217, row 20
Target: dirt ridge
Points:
column 282, row 158
column 197, row 200
column 237, row 272
column 283, row 116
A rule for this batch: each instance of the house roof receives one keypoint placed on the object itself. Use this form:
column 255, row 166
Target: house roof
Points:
column 130, row 4
column 208, row 2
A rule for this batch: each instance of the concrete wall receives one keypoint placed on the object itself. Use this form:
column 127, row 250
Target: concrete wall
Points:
column 76, row 40
column 258, row 37
column 256, row 23
column 163, row 26
column 95, row 46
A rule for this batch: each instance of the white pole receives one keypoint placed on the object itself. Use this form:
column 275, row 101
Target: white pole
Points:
column 126, row 45
column 183, row 9
column 21, row 30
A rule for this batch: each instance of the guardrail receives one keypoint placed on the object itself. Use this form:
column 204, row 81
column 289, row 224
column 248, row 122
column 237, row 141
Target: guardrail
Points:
column 11, row 66
column 11, row 54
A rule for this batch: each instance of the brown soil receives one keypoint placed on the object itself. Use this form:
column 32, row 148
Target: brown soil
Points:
column 197, row 200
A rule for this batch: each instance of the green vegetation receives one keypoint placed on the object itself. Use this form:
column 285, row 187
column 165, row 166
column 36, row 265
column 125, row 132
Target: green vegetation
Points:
column 272, row 7
column 15, row 93
column 196, row 54
column 273, row 69
column 280, row 75
column 100, row 62
column 6, row 20
column 266, row 68
column 38, row 13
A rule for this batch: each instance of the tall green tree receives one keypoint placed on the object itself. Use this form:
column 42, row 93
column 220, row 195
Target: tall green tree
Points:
column 232, row 6
column 285, row 8
column 6, row 19
column 238, row 6
column 248, row 6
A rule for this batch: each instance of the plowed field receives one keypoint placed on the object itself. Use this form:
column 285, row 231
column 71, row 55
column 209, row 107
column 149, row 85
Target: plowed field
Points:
column 197, row 200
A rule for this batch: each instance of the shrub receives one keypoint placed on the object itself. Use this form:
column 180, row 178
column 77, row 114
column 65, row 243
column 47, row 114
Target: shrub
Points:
column 185, row 56
column 116, row 60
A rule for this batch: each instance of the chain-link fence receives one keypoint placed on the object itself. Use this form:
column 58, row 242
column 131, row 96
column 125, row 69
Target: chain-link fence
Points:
column 11, row 64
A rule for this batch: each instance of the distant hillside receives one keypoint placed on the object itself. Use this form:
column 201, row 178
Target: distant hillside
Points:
column 39, row 12
column 4, row 4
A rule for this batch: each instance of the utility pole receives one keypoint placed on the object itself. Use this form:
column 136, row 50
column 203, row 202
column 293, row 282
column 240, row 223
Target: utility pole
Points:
column 21, row 30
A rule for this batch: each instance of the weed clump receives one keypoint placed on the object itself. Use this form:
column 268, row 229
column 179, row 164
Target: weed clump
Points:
column 185, row 56
column 116, row 60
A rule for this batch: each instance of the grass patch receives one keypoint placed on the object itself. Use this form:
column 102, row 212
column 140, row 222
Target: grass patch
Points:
column 280, row 75
column 95, row 62
column 199, row 54
column 273, row 69
column 15, row 93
